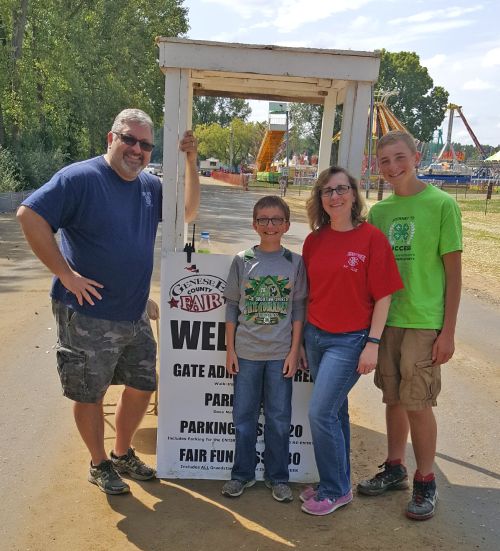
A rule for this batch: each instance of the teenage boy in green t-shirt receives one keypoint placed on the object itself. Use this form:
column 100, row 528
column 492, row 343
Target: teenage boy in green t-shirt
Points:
column 423, row 225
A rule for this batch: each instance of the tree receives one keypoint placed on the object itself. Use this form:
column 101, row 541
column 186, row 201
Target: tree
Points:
column 419, row 105
column 215, row 141
column 207, row 110
column 67, row 68
column 306, row 121
column 305, row 124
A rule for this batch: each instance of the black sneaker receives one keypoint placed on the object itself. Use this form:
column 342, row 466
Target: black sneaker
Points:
column 107, row 479
column 423, row 501
column 130, row 464
column 393, row 477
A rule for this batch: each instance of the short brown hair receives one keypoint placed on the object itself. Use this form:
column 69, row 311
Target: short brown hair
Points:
column 315, row 211
column 395, row 136
column 272, row 201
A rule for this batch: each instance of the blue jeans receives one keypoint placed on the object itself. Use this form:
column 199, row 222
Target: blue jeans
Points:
column 333, row 360
column 256, row 382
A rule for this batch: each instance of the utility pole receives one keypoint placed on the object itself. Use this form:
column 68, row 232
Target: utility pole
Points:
column 231, row 137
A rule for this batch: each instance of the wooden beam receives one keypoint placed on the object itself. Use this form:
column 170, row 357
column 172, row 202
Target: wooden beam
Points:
column 185, row 116
column 318, row 100
column 358, row 129
column 322, row 82
column 170, row 158
column 235, row 84
column 268, row 60
column 346, row 129
column 327, row 124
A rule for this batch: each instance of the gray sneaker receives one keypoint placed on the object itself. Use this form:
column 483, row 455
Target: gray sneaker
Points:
column 392, row 477
column 234, row 488
column 107, row 479
column 423, row 502
column 130, row 464
column 281, row 491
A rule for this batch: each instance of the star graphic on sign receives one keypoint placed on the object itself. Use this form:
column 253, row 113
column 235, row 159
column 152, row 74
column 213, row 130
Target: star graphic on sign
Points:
column 173, row 303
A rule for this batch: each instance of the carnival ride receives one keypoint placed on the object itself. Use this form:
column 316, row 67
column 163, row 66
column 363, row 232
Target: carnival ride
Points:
column 449, row 165
column 268, row 148
column 381, row 121
column 273, row 142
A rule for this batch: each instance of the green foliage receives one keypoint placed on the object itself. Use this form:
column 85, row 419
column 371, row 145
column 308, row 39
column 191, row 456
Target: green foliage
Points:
column 80, row 64
column 10, row 174
column 305, row 121
column 471, row 152
column 38, row 165
column 305, row 133
column 208, row 110
column 419, row 105
column 215, row 141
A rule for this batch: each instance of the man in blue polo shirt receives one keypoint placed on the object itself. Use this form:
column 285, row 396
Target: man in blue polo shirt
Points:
column 107, row 210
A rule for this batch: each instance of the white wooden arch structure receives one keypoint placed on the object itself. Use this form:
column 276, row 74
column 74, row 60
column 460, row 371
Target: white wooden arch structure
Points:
column 304, row 75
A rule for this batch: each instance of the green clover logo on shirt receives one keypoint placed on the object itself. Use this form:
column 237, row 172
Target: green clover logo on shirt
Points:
column 401, row 232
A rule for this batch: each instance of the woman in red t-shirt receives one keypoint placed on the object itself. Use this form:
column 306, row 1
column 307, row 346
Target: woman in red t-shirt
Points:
column 352, row 274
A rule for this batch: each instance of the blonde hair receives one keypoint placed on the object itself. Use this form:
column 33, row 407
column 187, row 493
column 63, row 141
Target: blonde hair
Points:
column 395, row 136
column 315, row 211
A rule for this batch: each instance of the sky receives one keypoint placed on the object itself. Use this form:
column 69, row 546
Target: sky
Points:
column 458, row 42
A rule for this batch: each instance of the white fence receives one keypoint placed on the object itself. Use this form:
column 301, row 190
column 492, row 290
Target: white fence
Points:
column 10, row 201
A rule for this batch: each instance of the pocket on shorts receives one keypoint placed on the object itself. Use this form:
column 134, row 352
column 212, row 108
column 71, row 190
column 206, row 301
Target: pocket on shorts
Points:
column 426, row 382
column 71, row 316
column 72, row 368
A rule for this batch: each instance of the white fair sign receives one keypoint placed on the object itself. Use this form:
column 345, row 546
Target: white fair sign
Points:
column 195, row 428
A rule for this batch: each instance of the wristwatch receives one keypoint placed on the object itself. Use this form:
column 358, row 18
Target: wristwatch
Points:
column 374, row 340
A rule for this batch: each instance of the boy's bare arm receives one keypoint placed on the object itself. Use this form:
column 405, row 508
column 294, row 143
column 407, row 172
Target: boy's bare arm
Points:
column 444, row 346
column 231, row 358
column 292, row 360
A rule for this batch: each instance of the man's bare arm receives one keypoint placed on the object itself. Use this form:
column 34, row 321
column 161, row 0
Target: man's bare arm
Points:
column 189, row 145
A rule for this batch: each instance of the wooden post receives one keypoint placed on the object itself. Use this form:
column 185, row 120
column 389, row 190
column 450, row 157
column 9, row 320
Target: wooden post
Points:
column 327, row 124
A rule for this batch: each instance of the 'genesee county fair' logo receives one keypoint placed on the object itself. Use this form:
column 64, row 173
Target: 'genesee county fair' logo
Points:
column 197, row 293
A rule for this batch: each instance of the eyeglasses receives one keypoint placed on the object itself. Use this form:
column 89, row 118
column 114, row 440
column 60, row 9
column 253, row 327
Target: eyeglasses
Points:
column 340, row 190
column 265, row 221
column 131, row 141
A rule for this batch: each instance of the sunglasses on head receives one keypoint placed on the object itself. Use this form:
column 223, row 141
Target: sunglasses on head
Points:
column 131, row 141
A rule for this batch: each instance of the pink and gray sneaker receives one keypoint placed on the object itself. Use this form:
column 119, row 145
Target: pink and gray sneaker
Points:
column 319, row 507
column 307, row 493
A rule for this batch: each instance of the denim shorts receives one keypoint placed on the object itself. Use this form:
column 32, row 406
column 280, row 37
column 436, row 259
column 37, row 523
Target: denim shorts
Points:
column 405, row 372
column 94, row 353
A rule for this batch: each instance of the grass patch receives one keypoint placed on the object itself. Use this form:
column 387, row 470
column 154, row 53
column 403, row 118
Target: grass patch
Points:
column 479, row 205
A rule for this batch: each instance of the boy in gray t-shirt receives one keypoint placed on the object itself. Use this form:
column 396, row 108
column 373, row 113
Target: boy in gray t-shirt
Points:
column 266, row 295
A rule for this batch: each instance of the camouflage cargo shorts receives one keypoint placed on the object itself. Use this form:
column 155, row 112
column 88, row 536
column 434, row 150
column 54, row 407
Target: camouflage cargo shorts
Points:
column 94, row 353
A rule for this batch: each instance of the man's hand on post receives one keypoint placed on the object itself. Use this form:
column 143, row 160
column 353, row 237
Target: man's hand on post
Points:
column 189, row 145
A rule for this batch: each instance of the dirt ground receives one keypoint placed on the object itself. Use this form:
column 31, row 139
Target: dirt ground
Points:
column 47, row 503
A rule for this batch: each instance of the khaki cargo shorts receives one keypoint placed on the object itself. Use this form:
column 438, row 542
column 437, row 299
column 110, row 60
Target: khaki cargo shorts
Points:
column 404, row 372
column 94, row 353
